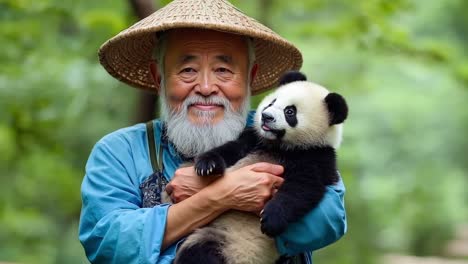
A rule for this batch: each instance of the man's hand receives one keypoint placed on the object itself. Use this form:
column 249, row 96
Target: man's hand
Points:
column 245, row 189
column 186, row 183
column 250, row 187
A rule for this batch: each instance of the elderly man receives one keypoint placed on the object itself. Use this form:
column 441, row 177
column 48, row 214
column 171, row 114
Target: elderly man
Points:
column 205, row 59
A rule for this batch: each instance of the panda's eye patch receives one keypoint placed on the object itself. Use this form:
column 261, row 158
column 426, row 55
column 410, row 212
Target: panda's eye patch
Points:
column 290, row 115
column 290, row 110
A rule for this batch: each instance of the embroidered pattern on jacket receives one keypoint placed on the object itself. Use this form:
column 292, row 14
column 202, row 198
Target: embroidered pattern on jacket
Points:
column 151, row 190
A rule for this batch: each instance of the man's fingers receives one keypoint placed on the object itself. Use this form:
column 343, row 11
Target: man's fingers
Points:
column 268, row 168
column 277, row 182
column 169, row 189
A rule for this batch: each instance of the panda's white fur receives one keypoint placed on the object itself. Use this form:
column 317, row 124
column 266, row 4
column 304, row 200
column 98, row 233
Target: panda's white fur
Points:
column 312, row 115
column 245, row 242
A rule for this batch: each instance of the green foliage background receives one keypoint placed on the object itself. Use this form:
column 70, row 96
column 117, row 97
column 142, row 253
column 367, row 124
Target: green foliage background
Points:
column 402, row 65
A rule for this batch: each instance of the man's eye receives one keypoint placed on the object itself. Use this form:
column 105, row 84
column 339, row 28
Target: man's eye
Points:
column 223, row 70
column 187, row 70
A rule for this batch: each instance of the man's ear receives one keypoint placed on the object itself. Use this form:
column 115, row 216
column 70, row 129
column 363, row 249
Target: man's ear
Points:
column 253, row 73
column 155, row 73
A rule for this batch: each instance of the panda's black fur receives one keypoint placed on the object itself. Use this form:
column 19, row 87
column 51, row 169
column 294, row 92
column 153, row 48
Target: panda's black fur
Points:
column 308, row 169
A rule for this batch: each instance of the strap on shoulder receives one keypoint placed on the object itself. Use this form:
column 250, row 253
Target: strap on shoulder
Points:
column 156, row 160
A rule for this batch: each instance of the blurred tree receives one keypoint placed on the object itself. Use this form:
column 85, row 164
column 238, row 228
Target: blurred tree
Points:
column 265, row 9
column 146, row 104
column 50, row 88
column 402, row 65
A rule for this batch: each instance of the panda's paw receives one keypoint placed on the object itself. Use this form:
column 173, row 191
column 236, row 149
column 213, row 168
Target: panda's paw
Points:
column 210, row 163
column 272, row 221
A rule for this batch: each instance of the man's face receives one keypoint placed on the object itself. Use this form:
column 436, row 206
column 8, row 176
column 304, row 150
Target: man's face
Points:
column 205, row 63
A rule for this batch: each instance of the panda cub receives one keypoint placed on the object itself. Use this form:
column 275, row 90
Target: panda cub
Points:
column 298, row 126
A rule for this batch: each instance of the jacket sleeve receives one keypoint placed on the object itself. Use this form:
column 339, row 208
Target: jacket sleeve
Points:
column 113, row 228
column 322, row 226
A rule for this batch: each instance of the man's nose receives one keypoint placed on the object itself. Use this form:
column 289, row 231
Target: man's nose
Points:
column 207, row 84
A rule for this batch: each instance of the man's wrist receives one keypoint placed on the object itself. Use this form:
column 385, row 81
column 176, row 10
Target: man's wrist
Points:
column 216, row 196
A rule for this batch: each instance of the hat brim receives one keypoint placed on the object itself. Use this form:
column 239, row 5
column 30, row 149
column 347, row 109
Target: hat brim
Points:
column 128, row 55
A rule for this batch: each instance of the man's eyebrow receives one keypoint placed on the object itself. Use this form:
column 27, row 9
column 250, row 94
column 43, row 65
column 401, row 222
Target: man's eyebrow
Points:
column 224, row 58
column 186, row 58
column 189, row 58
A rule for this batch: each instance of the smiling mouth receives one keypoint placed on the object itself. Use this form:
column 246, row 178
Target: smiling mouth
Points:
column 206, row 107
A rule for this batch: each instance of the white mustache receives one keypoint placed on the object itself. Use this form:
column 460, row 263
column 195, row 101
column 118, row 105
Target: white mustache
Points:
column 211, row 100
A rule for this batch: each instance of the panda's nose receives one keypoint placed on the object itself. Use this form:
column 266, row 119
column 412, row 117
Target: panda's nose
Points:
column 267, row 117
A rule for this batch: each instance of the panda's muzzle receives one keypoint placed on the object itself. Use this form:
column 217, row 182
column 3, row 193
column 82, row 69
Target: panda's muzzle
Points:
column 267, row 120
column 268, row 125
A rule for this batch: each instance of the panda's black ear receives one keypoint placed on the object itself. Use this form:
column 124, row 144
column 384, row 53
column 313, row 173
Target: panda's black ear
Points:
column 337, row 107
column 292, row 76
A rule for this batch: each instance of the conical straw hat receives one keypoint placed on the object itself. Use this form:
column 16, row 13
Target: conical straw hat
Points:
column 127, row 55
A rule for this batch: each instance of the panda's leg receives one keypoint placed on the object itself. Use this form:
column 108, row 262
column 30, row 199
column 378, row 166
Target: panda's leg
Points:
column 203, row 246
column 294, row 199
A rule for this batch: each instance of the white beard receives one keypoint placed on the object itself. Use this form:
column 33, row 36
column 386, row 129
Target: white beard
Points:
column 193, row 139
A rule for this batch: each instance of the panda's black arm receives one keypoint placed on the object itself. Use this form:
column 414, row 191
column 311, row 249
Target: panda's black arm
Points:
column 235, row 150
column 215, row 161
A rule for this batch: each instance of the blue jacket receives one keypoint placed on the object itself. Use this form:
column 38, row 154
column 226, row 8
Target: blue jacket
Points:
column 115, row 229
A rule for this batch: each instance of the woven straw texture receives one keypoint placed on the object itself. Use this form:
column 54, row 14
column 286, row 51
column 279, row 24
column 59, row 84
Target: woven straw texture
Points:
column 127, row 55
